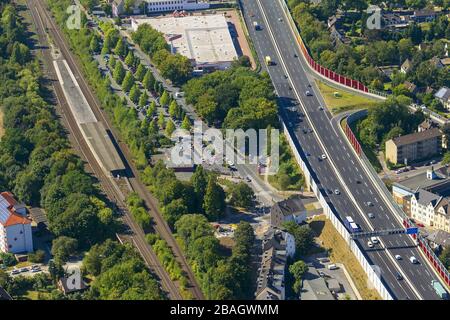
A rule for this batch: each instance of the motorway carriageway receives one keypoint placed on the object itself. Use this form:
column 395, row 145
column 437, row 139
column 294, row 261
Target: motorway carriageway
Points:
column 355, row 187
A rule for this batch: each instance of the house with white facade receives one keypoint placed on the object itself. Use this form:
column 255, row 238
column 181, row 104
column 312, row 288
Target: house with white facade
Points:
column 291, row 209
column 423, row 204
column 15, row 227
column 176, row 5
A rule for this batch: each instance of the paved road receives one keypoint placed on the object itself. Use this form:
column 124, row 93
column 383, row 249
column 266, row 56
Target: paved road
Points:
column 341, row 170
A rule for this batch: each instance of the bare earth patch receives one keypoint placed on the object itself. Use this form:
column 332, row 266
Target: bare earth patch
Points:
column 340, row 252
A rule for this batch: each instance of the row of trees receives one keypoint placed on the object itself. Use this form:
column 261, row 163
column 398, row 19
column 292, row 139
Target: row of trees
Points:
column 175, row 67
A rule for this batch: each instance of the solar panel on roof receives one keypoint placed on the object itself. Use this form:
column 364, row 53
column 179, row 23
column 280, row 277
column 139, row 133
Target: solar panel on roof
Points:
column 4, row 211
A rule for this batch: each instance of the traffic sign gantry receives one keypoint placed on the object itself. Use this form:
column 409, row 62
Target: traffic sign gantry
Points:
column 386, row 232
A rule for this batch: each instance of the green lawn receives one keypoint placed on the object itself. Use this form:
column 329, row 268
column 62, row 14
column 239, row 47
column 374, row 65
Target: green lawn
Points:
column 338, row 101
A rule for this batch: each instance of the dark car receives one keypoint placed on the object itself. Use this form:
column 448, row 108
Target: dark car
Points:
column 399, row 276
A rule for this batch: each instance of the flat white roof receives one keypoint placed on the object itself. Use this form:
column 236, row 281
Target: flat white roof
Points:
column 205, row 39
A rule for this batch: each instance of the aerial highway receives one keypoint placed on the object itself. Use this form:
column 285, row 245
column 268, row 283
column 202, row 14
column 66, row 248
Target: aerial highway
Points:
column 340, row 175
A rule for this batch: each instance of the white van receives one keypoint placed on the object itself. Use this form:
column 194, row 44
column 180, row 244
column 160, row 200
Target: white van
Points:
column 413, row 260
column 332, row 266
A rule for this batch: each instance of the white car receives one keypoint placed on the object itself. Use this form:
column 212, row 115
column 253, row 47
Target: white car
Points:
column 370, row 244
column 308, row 93
column 374, row 240
column 398, row 257
column 413, row 260
column 337, row 192
column 371, row 215
column 324, row 156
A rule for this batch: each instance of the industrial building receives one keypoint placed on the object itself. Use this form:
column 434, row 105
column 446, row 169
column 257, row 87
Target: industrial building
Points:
column 205, row 40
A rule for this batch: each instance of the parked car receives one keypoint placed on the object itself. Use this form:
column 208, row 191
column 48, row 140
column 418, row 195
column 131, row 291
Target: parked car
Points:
column 337, row 192
column 332, row 267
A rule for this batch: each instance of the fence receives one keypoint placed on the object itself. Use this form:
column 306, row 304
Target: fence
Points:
column 423, row 244
column 325, row 72
column 334, row 218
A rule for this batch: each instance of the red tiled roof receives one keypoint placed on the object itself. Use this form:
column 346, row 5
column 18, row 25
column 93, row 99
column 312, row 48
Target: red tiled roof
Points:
column 14, row 219
column 9, row 197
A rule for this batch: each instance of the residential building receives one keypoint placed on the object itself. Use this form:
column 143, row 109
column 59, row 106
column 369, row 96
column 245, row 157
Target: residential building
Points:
column 415, row 146
column 436, row 62
column 277, row 245
column 423, row 204
column 411, row 87
column 443, row 95
column 441, row 217
column 15, row 227
column 291, row 209
column 406, row 66
column 439, row 239
column 427, row 124
column 315, row 287
column 425, row 15
column 179, row 5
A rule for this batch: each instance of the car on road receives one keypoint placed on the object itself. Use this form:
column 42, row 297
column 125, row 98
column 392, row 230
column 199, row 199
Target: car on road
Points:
column 332, row 267
column 248, row 179
column 310, row 130
column 413, row 260
column 15, row 271
column 320, row 108
column 370, row 244
column 398, row 257
column 295, row 55
column 399, row 276
column 322, row 274
column 371, row 215
column 308, row 93
column 280, row 19
column 336, row 191
column 369, row 204
column 374, row 240
column 324, row 156
column 305, row 131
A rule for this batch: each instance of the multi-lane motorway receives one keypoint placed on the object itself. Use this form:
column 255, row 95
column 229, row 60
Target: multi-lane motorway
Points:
column 340, row 175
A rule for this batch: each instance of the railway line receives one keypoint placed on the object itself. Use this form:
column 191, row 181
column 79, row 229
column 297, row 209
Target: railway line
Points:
column 43, row 22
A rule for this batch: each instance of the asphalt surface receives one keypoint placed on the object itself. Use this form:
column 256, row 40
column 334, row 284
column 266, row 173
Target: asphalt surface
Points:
column 356, row 189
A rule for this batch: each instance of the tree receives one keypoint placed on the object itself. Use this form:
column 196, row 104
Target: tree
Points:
column 128, row 82
column 149, row 80
column 143, row 99
column 174, row 110
column 214, row 200
column 151, row 109
column 297, row 270
column 130, row 59
column 241, row 195
column 37, row 257
column 303, row 236
column 186, row 124
column 446, row 158
column 120, row 48
column 164, row 100
column 119, row 73
column 63, row 247
column 170, row 128
column 94, row 46
column 141, row 71
column 161, row 120
column 199, row 181
column 134, row 93
column 445, row 257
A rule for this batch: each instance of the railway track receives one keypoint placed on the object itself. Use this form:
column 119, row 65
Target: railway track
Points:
column 160, row 224
column 108, row 185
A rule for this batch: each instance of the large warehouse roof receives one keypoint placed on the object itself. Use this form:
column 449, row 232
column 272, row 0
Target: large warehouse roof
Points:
column 102, row 147
column 205, row 39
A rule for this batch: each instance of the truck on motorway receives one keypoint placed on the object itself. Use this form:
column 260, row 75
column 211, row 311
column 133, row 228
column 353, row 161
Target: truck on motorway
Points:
column 441, row 292
column 268, row 60
column 256, row 25
column 351, row 225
